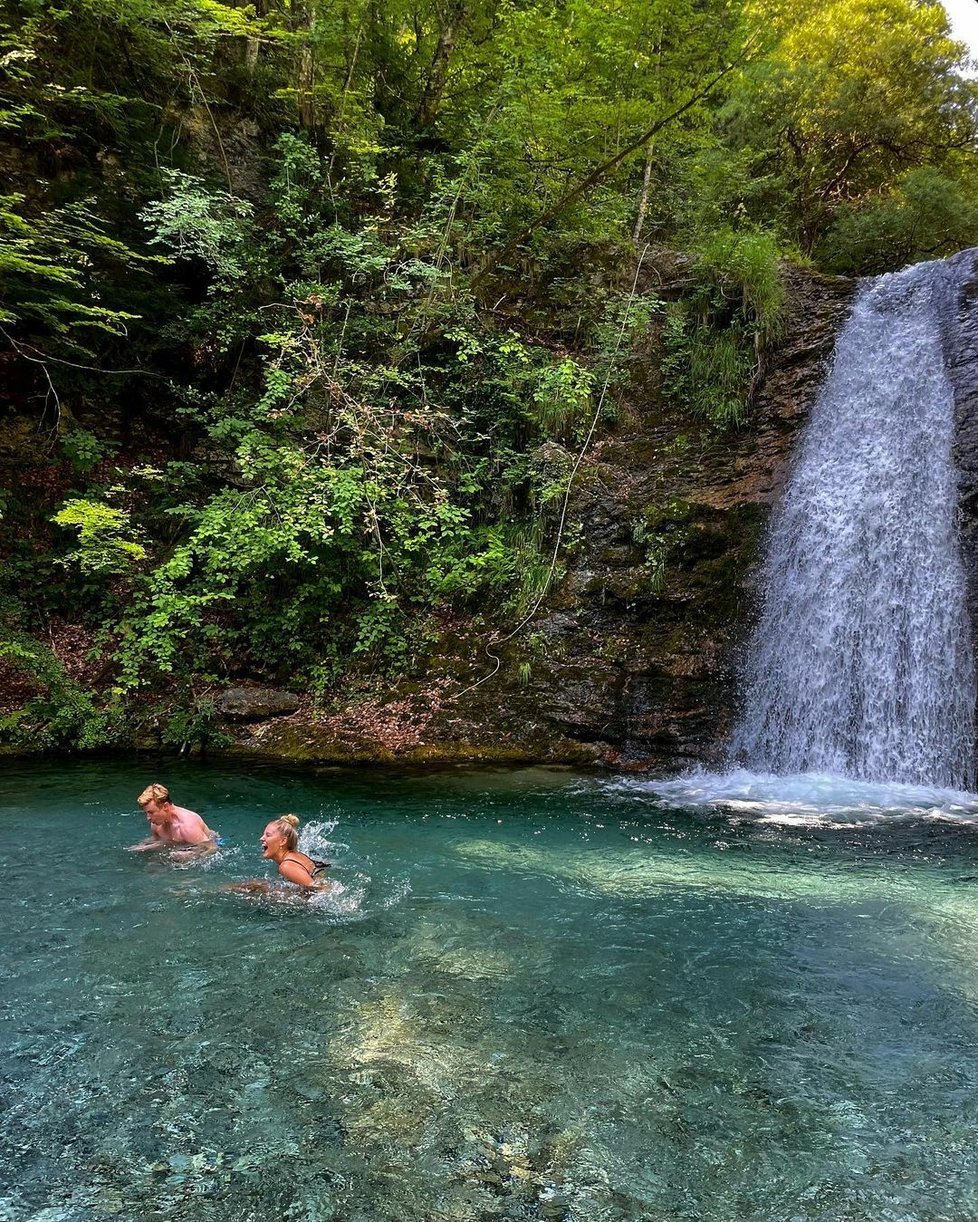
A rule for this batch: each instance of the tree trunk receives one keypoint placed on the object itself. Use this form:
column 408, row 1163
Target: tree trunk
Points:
column 643, row 199
column 307, row 74
column 252, row 42
column 438, row 72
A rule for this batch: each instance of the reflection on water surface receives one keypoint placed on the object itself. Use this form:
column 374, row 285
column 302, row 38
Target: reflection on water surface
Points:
column 533, row 996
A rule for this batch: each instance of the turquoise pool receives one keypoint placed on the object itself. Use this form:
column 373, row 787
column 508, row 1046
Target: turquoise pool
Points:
column 534, row 995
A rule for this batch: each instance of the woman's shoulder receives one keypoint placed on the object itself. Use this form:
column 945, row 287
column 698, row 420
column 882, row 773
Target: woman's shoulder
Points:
column 302, row 860
column 297, row 855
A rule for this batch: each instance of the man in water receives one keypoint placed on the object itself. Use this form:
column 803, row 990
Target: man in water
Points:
column 173, row 827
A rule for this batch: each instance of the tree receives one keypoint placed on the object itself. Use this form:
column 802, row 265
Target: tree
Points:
column 853, row 94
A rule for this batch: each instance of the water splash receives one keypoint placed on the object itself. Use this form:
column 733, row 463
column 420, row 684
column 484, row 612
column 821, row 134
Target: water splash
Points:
column 315, row 840
column 861, row 664
column 810, row 799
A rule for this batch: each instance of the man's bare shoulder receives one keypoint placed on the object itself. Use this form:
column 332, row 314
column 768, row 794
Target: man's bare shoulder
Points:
column 188, row 827
column 184, row 813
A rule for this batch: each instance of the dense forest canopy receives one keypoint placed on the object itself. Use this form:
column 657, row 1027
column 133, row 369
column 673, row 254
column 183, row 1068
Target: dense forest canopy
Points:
column 306, row 308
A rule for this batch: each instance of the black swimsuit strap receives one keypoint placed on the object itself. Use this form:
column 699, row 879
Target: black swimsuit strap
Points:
column 295, row 861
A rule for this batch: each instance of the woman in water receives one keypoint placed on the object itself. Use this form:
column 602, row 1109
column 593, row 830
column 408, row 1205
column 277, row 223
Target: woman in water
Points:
column 280, row 843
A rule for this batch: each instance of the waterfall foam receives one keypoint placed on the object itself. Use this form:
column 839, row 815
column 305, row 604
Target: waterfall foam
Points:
column 861, row 663
column 810, row 798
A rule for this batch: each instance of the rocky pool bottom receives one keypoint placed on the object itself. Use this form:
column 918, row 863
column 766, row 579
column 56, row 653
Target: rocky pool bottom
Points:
column 532, row 995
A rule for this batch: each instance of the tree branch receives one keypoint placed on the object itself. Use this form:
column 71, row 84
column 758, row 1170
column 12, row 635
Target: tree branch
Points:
column 605, row 168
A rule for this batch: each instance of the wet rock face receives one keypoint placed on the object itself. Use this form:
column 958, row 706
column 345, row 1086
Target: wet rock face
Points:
column 961, row 352
column 642, row 640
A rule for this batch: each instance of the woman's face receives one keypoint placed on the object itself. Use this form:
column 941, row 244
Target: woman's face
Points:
column 271, row 840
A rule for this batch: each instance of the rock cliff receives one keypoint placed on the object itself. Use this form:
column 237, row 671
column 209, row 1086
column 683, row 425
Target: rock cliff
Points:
column 630, row 659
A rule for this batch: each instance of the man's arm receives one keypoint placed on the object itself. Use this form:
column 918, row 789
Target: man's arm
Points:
column 144, row 846
column 204, row 849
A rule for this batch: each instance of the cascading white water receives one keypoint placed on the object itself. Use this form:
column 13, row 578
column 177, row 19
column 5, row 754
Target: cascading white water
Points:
column 861, row 664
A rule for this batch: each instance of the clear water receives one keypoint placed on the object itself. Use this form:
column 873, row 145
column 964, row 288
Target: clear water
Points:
column 537, row 996
column 861, row 664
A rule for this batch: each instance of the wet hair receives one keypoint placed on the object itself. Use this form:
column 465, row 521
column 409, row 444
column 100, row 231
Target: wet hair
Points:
column 286, row 825
column 154, row 793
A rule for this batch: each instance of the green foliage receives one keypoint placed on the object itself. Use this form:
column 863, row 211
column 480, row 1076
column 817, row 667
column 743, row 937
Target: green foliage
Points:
column 706, row 371
column 50, row 266
column 624, row 322
column 925, row 214
column 64, row 714
column 191, row 221
column 851, row 96
column 656, row 547
column 561, row 395
column 738, row 270
column 662, row 532
column 713, row 339
column 84, row 449
column 191, row 725
column 105, row 543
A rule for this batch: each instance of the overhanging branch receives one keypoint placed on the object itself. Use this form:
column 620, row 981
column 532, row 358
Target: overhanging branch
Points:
column 606, row 167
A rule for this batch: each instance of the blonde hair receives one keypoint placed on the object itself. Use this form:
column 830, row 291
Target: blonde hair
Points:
column 154, row 793
column 286, row 825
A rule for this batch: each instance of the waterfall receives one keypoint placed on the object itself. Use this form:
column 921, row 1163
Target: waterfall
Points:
column 861, row 663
